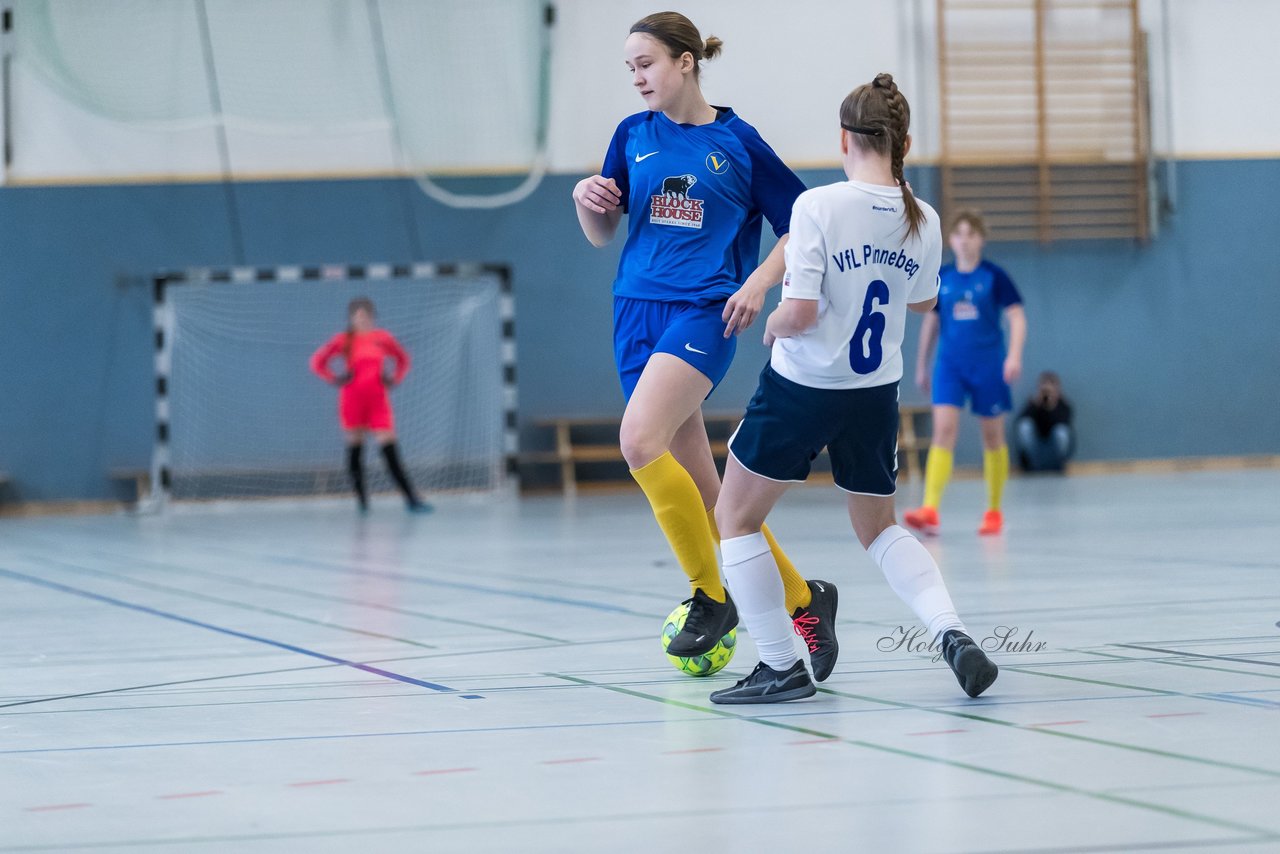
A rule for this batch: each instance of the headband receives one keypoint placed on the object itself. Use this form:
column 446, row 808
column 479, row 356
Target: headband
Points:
column 865, row 131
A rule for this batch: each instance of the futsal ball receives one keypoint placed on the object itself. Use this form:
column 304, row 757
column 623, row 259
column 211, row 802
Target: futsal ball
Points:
column 699, row 665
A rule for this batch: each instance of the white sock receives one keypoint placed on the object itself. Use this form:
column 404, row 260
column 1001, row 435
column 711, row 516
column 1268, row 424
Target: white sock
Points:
column 753, row 579
column 914, row 575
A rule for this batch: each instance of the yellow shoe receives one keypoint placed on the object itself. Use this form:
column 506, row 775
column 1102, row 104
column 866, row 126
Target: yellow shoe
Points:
column 992, row 523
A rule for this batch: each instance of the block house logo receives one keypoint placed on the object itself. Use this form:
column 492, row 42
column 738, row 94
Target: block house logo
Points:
column 673, row 206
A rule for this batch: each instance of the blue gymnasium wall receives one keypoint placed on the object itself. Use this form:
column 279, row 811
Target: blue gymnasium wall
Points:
column 1166, row 350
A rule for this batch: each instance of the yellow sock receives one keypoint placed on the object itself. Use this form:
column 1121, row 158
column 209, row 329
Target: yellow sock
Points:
column 937, row 471
column 677, row 505
column 995, row 468
column 793, row 583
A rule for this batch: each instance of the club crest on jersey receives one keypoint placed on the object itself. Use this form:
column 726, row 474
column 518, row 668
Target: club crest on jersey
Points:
column 673, row 206
column 717, row 163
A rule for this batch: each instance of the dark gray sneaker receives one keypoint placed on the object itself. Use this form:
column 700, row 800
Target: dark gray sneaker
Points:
column 766, row 685
column 816, row 625
column 708, row 621
column 974, row 671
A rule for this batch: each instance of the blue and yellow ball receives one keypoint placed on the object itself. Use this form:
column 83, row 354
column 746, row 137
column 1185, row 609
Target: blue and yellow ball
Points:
column 699, row 665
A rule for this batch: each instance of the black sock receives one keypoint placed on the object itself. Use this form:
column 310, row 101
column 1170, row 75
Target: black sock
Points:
column 392, row 455
column 355, row 468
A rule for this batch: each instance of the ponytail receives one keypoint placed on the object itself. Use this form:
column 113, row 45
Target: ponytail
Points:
column 880, row 117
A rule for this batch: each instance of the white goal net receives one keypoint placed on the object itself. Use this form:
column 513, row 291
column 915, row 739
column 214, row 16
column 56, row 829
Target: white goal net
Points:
column 241, row 415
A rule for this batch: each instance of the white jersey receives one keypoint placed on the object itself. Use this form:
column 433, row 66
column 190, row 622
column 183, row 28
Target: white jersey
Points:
column 847, row 252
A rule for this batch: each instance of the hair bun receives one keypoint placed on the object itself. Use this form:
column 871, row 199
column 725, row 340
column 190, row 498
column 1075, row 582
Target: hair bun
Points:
column 884, row 81
column 711, row 48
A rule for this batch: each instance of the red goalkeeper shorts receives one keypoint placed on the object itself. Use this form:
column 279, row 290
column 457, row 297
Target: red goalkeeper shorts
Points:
column 365, row 405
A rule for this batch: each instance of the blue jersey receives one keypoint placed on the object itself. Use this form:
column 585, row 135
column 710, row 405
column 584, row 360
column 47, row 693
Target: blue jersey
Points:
column 969, row 306
column 695, row 196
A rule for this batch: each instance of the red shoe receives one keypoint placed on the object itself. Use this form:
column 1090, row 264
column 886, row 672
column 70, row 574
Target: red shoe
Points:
column 992, row 523
column 923, row 519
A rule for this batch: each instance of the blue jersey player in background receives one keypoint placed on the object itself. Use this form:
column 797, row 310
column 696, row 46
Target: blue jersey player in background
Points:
column 696, row 183
column 973, row 364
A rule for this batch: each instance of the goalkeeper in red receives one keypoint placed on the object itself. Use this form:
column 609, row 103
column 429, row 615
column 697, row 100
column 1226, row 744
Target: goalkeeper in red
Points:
column 364, row 406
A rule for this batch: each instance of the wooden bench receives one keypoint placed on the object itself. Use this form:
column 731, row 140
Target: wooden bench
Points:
column 133, row 482
column 587, row 441
column 584, row 441
column 913, row 440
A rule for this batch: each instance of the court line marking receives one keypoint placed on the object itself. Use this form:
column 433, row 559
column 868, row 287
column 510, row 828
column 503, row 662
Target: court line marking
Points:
column 1170, row 663
column 1185, row 654
column 288, row 647
column 325, row 597
column 552, row 821
column 1221, row 698
column 342, row 735
column 1261, row 833
column 273, row 672
column 312, row 563
column 218, row 600
column 1102, row 742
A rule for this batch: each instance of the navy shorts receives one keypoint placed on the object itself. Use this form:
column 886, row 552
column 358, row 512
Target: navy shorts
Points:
column 787, row 425
column 981, row 382
column 689, row 331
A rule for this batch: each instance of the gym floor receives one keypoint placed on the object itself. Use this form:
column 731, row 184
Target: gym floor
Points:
column 285, row 677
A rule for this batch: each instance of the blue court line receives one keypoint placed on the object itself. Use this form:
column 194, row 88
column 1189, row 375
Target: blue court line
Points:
column 1245, row 701
column 155, row 612
column 457, row 585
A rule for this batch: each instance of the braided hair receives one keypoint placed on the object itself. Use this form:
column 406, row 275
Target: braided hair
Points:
column 879, row 117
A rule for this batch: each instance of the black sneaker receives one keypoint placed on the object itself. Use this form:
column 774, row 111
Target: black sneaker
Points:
column 816, row 625
column 766, row 685
column 974, row 671
column 708, row 621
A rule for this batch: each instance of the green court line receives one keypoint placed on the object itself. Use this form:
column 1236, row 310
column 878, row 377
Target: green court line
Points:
column 218, row 600
column 1262, row 833
column 1152, row 751
column 1161, row 691
column 1169, row 663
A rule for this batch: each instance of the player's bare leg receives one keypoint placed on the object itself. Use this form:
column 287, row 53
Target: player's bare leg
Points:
column 670, row 391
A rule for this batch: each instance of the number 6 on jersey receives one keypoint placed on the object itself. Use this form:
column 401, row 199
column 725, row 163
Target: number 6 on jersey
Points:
column 865, row 354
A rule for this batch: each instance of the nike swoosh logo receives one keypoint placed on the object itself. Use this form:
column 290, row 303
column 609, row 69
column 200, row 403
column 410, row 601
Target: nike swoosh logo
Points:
column 701, row 638
column 640, row 157
column 693, row 349
column 818, row 585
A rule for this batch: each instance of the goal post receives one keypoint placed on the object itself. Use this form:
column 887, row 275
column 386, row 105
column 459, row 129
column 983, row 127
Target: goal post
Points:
column 240, row 415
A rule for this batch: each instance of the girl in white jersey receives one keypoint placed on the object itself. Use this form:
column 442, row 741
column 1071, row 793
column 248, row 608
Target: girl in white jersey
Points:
column 861, row 253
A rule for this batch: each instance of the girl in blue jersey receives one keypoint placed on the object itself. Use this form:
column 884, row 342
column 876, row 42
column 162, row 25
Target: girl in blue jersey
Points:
column 861, row 254
column 696, row 181
column 972, row 364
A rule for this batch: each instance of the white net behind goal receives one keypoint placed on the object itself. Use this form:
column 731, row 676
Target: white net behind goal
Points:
column 248, row 419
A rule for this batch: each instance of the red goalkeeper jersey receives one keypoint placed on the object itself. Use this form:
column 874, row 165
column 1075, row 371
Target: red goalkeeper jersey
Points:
column 367, row 353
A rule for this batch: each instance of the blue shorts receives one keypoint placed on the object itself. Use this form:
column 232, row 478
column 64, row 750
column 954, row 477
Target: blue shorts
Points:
column 981, row 382
column 787, row 425
column 691, row 332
